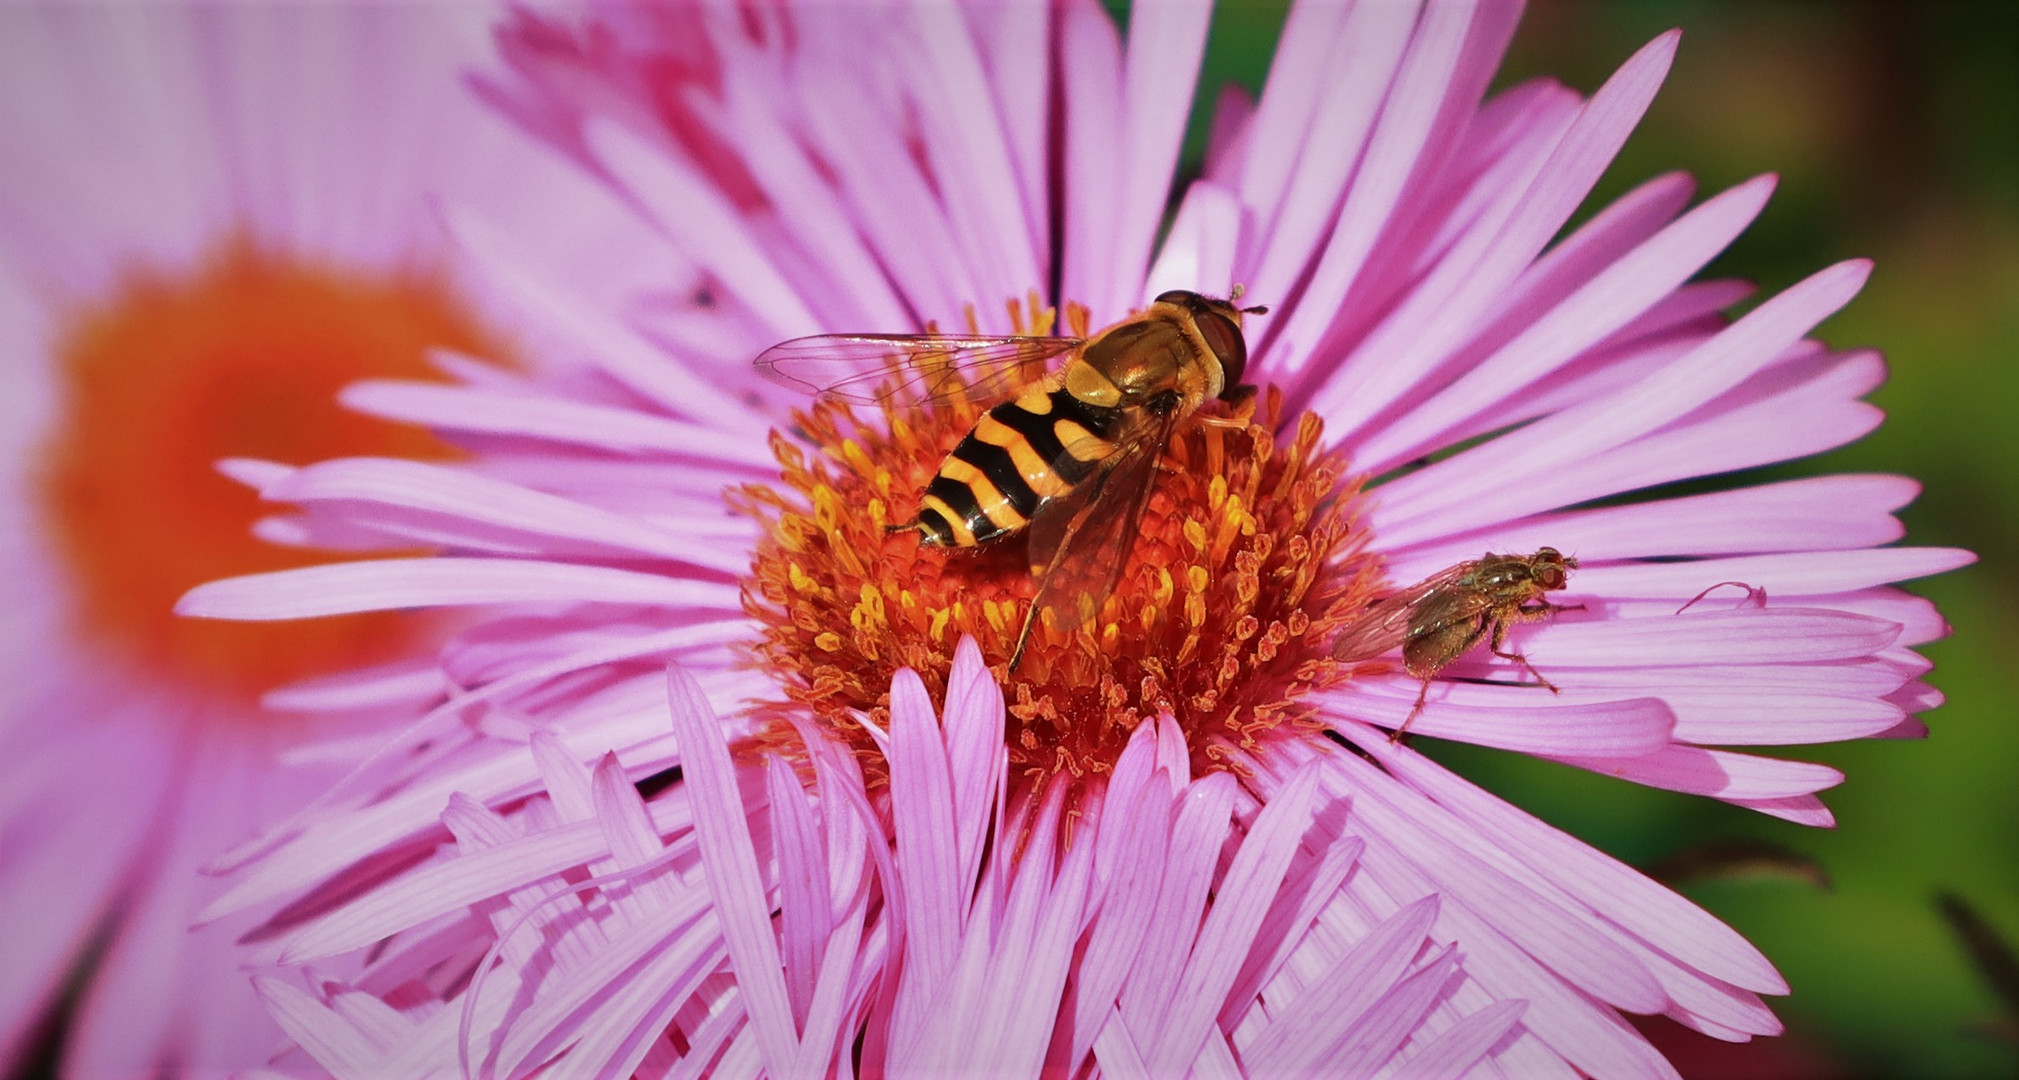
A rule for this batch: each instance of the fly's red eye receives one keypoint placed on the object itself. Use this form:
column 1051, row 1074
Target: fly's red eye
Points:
column 1225, row 339
column 1179, row 297
column 1551, row 577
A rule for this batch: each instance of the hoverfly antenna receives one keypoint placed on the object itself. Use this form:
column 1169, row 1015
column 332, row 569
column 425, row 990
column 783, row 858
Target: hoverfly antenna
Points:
column 1258, row 309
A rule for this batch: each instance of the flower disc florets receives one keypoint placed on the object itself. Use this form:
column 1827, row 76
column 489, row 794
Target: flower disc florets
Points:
column 1246, row 562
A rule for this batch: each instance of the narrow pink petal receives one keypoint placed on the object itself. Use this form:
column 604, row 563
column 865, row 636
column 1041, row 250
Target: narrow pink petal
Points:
column 1227, row 135
column 1464, row 1044
column 620, row 1029
column 1019, row 43
column 1796, row 574
column 1407, row 119
column 1534, row 912
column 973, row 722
column 1800, row 809
column 1333, row 110
column 1283, row 930
column 1812, row 514
column 1032, row 1009
column 1115, row 1050
column 702, row 224
column 1746, row 636
column 804, row 917
column 970, row 154
column 1717, row 773
column 1607, row 301
column 1562, row 441
column 1370, row 1043
column 337, row 1046
column 1090, row 74
column 826, row 1021
column 492, row 412
column 1199, row 251
column 1196, row 838
column 1244, row 895
column 1755, row 717
column 1133, row 844
column 1445, row 309
column 809, row 212
column 390, row 584
column 627, row 826
column 892, row 201
column 721, row 826
column 1297, row 74
column 928, row 856
column 1525, row 722
column 1160, row 71
column 662, row 376
column 1301, row 1032
column 533, row 518
column 407, row 683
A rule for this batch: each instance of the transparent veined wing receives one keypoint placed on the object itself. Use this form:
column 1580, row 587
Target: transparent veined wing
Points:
column 1421, row 608
column 910, row 367
column 1080, row 541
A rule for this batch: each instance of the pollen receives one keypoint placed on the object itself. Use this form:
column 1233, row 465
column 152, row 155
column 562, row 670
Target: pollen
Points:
column 241, row 357
column 1247, row 561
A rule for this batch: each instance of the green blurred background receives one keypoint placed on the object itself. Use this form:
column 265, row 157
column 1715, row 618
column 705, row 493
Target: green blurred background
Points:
column 1895, row 128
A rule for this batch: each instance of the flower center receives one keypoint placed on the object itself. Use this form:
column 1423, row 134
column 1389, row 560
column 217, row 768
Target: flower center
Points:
column 1245, row 565
column 243, row 357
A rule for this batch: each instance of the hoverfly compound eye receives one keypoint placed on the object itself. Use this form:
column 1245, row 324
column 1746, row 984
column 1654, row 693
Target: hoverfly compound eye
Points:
column 1228, row 346
column 1180, row 297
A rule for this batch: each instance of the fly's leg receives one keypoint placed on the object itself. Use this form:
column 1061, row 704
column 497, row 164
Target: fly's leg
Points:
column 1500, row 638
column 1396, row 735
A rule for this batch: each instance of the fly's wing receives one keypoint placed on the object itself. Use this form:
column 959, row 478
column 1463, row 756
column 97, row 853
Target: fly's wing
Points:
column 909, row 367
column 1392, row 620
column 1081, row 540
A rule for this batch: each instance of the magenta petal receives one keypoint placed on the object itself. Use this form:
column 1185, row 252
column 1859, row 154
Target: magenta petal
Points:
column 1302, row 1032
column 1244, row 893
column 512, row 413
column 928, row 855
column 1460, row 1047
column 703, row 225
column 387, row 584
column 1749, row 636
column 723, row 830
column 1518, row 720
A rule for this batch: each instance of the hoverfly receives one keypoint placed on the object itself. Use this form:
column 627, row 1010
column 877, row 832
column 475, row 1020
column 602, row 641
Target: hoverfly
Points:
column 1441, row 618
column 1070, row 455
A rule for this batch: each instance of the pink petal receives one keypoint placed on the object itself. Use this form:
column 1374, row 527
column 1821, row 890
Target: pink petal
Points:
column 1519, row 720
column 1300, row 1033
column 738, row 892
column 1749, row 636
column 1717, row 773
column 389, row 584
column 1244, row 895
column 1161, row 69
column 454, row 408
column 1560, row 442
column 1463, row 1045
column 703, row 225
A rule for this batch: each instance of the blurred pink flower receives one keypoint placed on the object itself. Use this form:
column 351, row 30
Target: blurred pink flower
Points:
column 1222, row 894
column 212, row 219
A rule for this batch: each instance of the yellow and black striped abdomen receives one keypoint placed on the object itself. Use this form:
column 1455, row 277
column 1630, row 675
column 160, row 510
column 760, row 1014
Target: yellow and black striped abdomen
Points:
column 1035, row 447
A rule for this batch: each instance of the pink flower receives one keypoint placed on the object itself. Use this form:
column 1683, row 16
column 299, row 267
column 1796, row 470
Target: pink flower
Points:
column 212, row 219
column 1185, row 842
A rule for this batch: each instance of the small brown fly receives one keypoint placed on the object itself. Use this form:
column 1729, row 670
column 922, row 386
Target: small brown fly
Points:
column 1441, row 618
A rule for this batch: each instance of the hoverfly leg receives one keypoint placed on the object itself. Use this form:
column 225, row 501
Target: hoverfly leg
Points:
column 1023, row 637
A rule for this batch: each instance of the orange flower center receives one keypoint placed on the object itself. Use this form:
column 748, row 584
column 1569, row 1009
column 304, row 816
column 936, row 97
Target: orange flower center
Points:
column 1246, row 564
column 243, row 357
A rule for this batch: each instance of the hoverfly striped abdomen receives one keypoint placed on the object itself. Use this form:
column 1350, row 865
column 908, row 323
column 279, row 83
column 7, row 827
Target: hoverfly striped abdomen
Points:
column 1034, row 447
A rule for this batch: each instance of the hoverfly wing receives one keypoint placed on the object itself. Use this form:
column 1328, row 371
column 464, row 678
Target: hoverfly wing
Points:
column 909, row 367
column 1390, row 621
column 1080, row 541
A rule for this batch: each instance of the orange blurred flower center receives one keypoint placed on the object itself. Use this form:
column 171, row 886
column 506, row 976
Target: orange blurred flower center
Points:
column 241, row 358
column 1246, row 564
